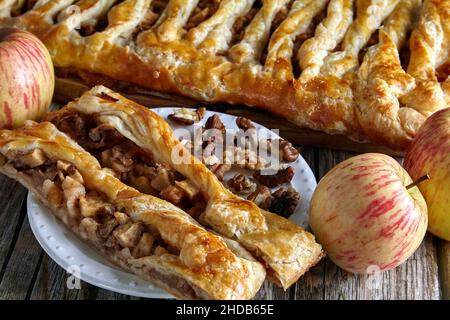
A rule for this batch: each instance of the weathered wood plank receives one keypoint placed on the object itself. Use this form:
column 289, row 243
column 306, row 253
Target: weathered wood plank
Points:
column 51, row 282
column 22, row 267
column 310, row 285
column 444, row 267
column 12, row 197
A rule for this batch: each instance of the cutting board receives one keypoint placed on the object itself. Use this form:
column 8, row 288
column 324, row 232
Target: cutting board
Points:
column 69, row 89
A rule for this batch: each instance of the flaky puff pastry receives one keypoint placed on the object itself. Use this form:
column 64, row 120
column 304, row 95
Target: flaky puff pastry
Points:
column 344, row 67
column 287, row 250
column 197, row 264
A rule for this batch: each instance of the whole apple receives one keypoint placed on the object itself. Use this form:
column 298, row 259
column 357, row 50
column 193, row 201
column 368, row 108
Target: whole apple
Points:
column 26, row 77
column 365, row 217
column 429, row 154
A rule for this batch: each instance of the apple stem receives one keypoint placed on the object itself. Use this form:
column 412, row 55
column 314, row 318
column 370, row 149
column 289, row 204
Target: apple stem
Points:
column 418, row 181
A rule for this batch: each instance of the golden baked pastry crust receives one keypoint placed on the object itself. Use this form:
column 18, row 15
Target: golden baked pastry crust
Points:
column 197, row 263
column 341, row 80
column 284, row 248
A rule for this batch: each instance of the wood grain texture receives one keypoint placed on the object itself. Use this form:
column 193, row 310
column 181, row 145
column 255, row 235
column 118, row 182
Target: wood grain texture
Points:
column 12, row 197
column 21, row 269
column 444, row 267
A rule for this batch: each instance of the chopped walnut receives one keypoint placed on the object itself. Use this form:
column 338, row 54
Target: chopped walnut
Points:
column 244, row 158
column 187, row 116
column 214, row 122
column 144, row 246
column 240, row 183
column 275, row 180
column 220, row 169
column 128, row 234
column 261, row 197
column 284, row 201
column 287, row 151
column 244, row 123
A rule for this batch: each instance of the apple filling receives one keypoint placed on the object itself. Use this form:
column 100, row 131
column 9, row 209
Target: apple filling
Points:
column 89, row 214
column 130, row 163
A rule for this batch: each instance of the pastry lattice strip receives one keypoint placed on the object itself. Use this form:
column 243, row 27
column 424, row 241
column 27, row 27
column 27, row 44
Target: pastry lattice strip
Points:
column 260, row 69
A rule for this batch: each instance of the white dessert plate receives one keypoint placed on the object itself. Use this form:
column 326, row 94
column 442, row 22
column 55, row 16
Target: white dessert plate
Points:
column 80, row 259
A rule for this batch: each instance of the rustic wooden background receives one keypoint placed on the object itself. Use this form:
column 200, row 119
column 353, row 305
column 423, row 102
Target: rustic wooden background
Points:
column 28, row 273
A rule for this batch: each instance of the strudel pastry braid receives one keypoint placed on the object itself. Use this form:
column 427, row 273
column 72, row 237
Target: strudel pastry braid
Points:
column 141, row 233
column 286, row 250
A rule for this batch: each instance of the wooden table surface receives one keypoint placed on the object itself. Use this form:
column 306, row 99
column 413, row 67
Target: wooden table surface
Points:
column 28, row 273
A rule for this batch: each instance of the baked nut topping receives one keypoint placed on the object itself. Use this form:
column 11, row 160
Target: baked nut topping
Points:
column 214, row 122
column 261, row 197
column 186, row 116
column 287, row 151
column 275, row 180
column 244, row 123
column 219, row 170
column 284, row 201
column 240, row 183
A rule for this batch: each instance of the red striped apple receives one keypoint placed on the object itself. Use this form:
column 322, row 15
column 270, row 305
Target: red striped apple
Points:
column 429, row 154
column 365, row 217
column 26, row 78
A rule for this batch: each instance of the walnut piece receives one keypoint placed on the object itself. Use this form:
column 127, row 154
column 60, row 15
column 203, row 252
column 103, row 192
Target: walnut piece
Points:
column 244, row 123
column 275, row 180
column 214, row 122
column 185, row 116
column 287, row 151
column 244, row 158
column 261, row 197
column 220, row 169
column 240, row 183
column 284, row 201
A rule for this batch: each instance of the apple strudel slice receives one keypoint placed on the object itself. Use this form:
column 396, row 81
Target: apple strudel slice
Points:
column 141, row 233
column 139, row 146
